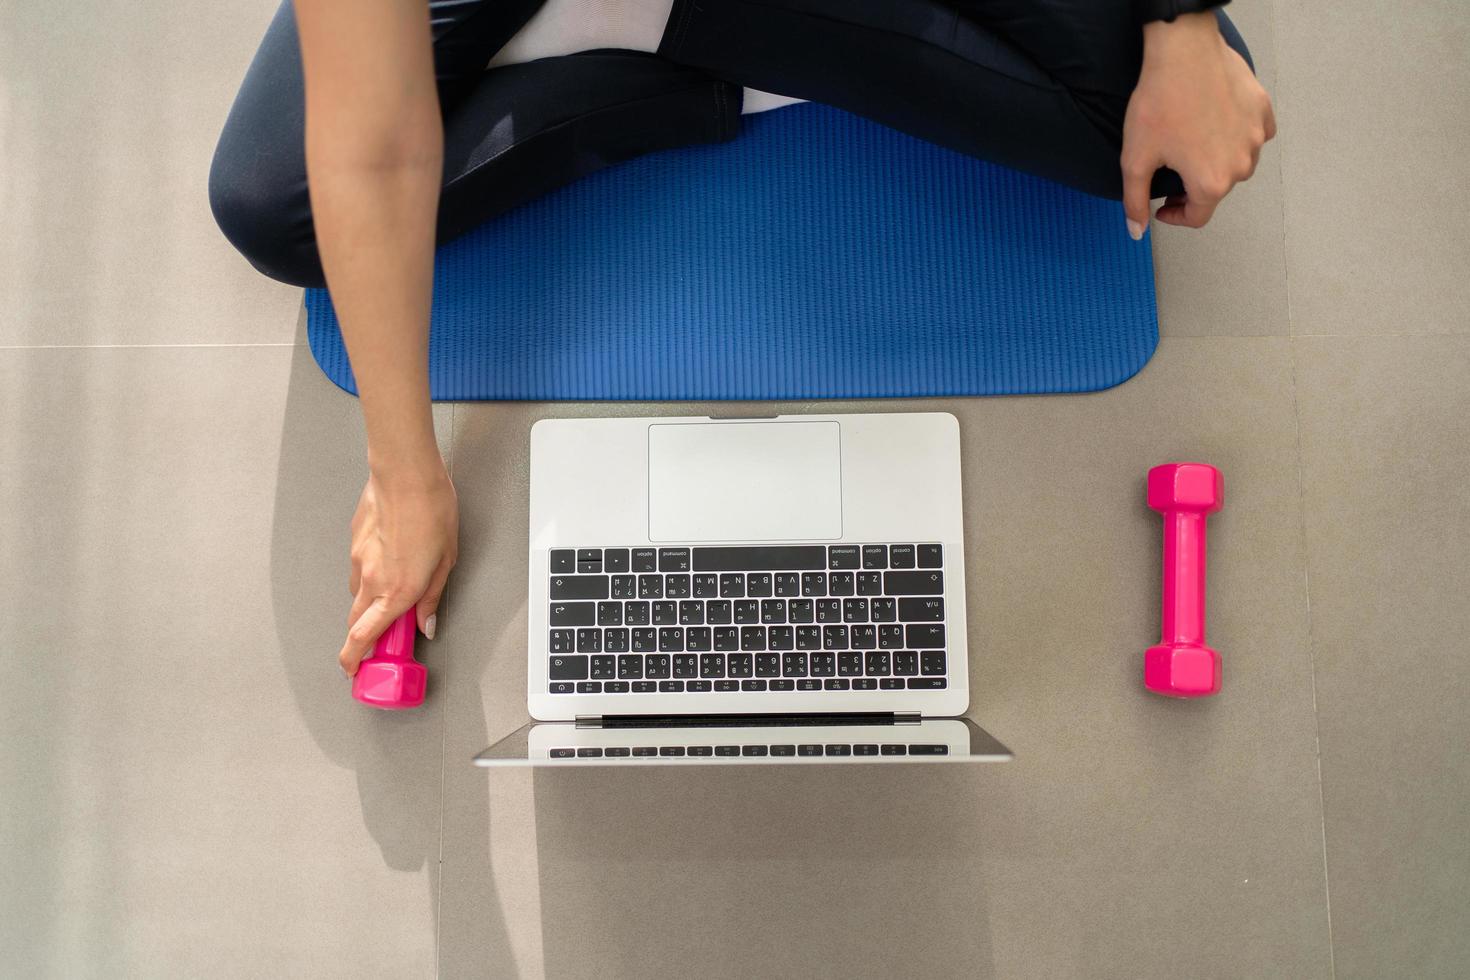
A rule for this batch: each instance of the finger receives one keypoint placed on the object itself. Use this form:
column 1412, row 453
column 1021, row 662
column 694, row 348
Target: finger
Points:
column 1199, row 209
column 1138, row 175
column 360, row 601
column 428, row 606
column 375, row 619
column 354, row 578
column 1270, row 121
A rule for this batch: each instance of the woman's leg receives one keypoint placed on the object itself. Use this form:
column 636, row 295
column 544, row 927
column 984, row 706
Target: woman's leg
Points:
column 1040, row 87
column 510, row 133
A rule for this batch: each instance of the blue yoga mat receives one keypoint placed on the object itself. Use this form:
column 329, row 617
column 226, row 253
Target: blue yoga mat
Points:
column 818, row 255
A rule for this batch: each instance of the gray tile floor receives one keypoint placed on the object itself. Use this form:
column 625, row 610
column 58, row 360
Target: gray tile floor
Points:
column 186, row 790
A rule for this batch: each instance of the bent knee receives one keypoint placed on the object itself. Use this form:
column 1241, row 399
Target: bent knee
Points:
column 267, row 218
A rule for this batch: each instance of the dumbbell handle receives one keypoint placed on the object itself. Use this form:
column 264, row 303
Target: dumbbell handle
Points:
column 1184, row 577
column 396, row 643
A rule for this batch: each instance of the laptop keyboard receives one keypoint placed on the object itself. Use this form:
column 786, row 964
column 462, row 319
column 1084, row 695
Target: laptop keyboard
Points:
column 802, row 750
column 850, row 617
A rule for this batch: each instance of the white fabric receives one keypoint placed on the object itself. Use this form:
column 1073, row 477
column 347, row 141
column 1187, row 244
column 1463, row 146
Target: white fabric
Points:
column 564, row 27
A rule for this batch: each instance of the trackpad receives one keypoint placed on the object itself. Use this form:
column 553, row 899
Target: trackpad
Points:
column 744, row 481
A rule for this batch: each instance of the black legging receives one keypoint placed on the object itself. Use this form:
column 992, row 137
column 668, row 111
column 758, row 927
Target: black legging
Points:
column 1038, row 85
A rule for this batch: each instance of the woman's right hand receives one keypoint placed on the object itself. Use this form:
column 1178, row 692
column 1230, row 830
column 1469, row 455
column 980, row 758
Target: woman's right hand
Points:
column 405, row 539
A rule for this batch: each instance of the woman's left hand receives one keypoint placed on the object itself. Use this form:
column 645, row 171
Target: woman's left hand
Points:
column 1198, row 110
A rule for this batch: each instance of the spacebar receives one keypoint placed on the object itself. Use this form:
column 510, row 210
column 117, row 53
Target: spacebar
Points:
column 759, row 558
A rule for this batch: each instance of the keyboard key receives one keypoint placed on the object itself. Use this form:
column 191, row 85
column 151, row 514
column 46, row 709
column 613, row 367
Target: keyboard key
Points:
column 670, row 687
column 808, row 750
column 589, row 640
column 834, row 638
column 579, row 587
column 665, row 613
column 793, row 665
column 849, row 665
column 752, row 750
column 926, row 683
column 698, row 687
column 931, row 556
column 814, row 584
column 788, row 585
column 673, row 559
column 563, row 562
column 624, row 587
column 925, row 635
column 783, row 685
column 563, row 753
column 670, row 639
column 758, row 585
column 809, row 638
column 691, row 613
column 901, row 556
column 853, row 611
column 701, row 750
column 636, row 613
column 893, row 749
column 706, row 586
column 875, row 556
column 641, row 751
column 931, row 662
column 800, row 611
column 779, row 558
column 697, row 639
column 732, row 586
column 563, row 687
column 781, row 638
column 844, row 556
column 573, row 613
column 913, row 583
column 773, row 611
column 752, row 638
column 644, row 687
column 589, row 687
column 562, row 641
column 727, row 638
column 603, row 668
column 905, row 663
column 823, row 663
column 921, row 609
column 747, row 612
column 589, row 556
column 726, row 686
column 676, row 586
column 615, row 560
column 870, row 583
column 840, row 583
column 644, row 560
column 890, row 638
column 838, row 684
column 644, row 641
column 630, row 666
column 753, row 685
column 686, row 665
column 671, row 751
column 617, row 751
column 867, row 748
column 650, row 586
column 740, row 665
column 928, row 750
column 615, row 640
column 877, row 663
column 712, row 665
column 839, row 750
column 768, row 665
column 719, row 612
column 883, row 610
column 591, row 752
column 890, row 683
column 609, row 614
column 828, row 610
column 589, row 567
column 569, row 669
column 864, row 637
column 783, row 750
column 727, row 750
column 864, row 684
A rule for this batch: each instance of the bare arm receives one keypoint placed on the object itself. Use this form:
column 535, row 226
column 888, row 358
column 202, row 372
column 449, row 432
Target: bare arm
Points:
column 374, row 160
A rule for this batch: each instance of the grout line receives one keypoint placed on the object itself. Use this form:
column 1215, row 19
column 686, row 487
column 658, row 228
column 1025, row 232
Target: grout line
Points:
column 1301, row 487
column 443, row 756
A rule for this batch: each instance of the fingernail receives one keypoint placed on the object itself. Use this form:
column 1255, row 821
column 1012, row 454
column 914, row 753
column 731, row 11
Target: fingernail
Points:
column 1135, row 230
column 430, row 624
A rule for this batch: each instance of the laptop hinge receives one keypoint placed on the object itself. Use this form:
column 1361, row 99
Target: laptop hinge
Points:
column 747, row 720
column 589, row 721
column 907, row 717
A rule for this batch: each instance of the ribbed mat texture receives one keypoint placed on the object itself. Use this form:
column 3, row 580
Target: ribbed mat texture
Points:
column 818, row 255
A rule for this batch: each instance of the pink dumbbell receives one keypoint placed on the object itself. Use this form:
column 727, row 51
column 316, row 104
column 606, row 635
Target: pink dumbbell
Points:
column 1181, row 666
column 390, row 677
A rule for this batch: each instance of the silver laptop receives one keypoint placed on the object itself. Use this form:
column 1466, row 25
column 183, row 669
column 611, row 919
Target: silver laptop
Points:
column 723, row 591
